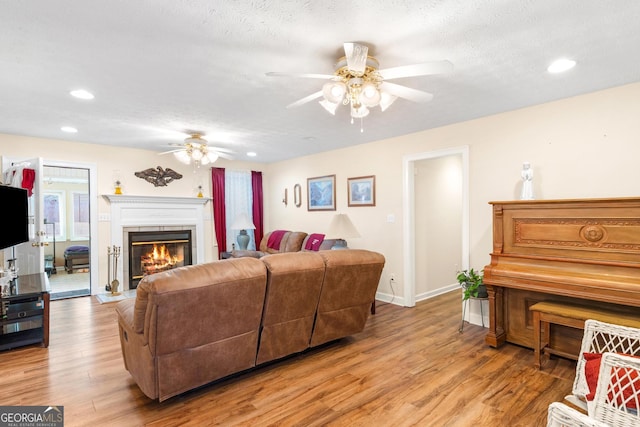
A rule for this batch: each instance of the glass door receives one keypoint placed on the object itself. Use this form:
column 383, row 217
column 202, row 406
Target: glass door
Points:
column 65, row 194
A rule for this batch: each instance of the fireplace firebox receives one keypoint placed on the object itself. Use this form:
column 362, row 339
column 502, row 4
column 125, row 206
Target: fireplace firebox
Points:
column 155, row 251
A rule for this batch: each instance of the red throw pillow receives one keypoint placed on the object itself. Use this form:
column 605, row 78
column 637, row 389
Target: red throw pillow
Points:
column 630, row 380
column 591, row 370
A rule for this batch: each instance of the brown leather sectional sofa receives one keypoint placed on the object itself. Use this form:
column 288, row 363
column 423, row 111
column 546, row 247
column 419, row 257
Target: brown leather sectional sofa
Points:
column 192, row 325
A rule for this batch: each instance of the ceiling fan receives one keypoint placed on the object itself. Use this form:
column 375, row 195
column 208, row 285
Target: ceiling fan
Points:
column 195, row 149
column 359, row 83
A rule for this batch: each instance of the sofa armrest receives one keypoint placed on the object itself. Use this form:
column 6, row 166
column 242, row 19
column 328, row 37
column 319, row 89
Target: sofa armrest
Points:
column 125, row 309
column 126, row 317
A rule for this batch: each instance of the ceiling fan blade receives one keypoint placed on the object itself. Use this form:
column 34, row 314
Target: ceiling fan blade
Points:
column 219, row 149
column 406, row 92
column 305, row 100
column 356, row 55
column 171, row 151
column 427, row 68
column 305, row 75
column 224, row 155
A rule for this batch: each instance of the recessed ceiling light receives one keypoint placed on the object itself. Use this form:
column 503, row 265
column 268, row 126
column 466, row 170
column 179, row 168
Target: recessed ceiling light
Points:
column 252, row 154
column 561, row 65
column 82, row 94
column 69, row 129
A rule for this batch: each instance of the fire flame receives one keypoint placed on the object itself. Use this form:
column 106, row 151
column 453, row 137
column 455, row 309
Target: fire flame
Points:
column 159, row 259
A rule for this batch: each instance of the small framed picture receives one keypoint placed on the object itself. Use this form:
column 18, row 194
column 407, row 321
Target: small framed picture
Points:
column 321, row 193
column 362, row 191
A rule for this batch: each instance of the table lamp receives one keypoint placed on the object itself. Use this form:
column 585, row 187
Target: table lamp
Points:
column 243, row 223
column 340, row 228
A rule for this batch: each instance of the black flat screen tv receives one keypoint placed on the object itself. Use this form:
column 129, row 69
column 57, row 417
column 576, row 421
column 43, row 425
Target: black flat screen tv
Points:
column 14, row 228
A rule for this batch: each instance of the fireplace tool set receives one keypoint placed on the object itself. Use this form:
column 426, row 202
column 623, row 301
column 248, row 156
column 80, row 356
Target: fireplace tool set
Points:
column 113, row 252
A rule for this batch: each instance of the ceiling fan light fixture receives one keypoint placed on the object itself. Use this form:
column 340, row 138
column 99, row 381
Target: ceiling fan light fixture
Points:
column 334, row 91
column 208, row 158
column 386, row 99
column 359, row 112
column 198, row 153
column 183, row 157
column 331, row 107
column 370, row 95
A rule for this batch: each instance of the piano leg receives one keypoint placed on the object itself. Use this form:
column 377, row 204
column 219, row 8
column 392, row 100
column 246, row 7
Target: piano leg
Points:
column 496, row 335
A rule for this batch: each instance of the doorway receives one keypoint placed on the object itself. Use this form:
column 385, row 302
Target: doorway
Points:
column 66, row 209
column 432, row 182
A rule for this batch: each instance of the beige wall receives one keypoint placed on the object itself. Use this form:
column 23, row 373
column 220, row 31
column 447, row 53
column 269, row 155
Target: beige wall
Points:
column 579, row 147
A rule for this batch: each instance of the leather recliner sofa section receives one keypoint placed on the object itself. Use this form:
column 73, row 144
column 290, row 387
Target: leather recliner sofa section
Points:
column 193, row 325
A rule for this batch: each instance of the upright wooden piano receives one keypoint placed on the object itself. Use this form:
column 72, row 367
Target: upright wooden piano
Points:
column 581, row 251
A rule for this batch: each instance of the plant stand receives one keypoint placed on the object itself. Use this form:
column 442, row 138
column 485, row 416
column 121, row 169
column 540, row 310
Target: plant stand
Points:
column 464, row 309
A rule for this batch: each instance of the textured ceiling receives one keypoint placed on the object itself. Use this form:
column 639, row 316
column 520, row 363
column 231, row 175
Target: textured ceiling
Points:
column 162, row 68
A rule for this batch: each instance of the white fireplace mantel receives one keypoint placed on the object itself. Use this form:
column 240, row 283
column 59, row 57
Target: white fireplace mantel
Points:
column 129, row 212
column 129, row 199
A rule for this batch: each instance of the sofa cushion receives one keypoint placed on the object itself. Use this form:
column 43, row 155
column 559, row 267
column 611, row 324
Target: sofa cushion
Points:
column 350, row 282
column 294, row 280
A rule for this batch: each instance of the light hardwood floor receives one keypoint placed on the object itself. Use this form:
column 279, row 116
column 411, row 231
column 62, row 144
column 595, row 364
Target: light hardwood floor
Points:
column 409, row 367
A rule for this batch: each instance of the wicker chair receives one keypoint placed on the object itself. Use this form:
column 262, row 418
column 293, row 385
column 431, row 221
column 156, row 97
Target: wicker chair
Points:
column 601, row 337
column 560, row 415
column 617, row 397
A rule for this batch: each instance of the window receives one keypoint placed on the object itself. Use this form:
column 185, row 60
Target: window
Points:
column 80, row 225
column 54, row 218
column 238, row 200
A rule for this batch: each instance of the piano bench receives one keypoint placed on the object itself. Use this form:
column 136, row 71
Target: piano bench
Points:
column 547, row 312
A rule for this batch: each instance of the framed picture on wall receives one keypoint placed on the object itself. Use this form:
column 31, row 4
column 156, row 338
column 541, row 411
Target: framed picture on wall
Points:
column 361, row 191
column 321, row 193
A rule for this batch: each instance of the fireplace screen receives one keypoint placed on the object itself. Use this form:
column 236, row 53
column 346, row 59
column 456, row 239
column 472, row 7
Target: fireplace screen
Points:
column 154, row 251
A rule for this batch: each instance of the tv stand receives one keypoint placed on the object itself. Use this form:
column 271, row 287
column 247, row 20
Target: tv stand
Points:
column 24, row 312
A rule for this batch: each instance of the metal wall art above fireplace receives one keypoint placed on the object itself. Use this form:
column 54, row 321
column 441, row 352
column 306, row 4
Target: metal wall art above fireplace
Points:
column 155, row 251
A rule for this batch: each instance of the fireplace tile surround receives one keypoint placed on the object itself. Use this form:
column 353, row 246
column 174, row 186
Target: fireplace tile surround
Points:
column 152, row 213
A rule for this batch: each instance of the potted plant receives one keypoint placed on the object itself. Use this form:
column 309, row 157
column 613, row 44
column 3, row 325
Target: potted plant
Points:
column 472, row 285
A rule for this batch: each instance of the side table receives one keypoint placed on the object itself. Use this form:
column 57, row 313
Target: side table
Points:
column 24, row 315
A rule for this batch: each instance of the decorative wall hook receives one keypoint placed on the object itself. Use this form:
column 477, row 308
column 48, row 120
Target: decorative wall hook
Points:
column 297, row 195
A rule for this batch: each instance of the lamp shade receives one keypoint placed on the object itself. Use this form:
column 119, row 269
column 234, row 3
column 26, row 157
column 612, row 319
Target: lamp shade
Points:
column 242, row 222
column 341, row 227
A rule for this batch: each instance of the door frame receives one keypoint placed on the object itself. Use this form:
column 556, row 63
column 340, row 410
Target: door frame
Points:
column 408, row 208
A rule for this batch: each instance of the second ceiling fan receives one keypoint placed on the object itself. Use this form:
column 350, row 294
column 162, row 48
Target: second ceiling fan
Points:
column 195, row 149
column 359, row 83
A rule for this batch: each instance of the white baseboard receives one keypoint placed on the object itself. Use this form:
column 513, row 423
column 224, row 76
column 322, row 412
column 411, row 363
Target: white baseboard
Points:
column 473, row 313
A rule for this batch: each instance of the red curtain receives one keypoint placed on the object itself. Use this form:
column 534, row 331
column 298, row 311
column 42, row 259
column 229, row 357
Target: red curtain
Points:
column 256, row 187
column 219, row 220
